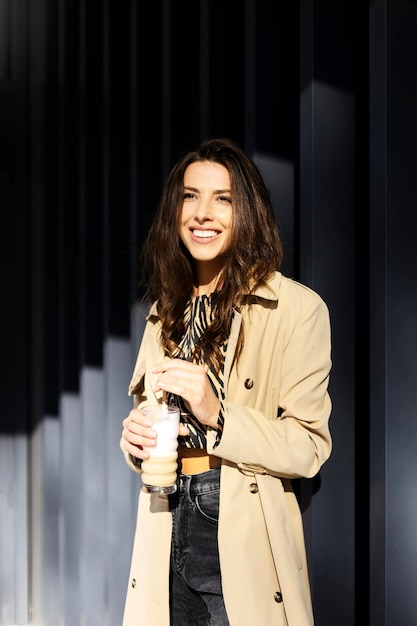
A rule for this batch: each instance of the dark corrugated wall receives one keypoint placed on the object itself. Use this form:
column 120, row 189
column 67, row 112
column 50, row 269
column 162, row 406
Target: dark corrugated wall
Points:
column 96, row 102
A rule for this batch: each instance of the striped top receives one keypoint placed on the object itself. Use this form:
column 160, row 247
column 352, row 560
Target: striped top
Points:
column 198, row 316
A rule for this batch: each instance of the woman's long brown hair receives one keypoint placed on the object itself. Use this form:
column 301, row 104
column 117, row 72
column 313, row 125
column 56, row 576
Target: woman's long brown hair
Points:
column 255, row 250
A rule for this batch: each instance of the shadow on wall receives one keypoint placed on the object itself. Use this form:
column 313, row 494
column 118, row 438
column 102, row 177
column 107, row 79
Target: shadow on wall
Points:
column 83, row 501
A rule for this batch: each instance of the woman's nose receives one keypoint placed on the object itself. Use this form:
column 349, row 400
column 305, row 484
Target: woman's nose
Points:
column 204, row 210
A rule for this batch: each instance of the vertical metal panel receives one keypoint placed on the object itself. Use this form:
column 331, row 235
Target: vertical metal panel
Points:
column 279, row 178
column 204, row 47
column 13, row 529
column 18, row 499
column 117, row 170
column 325, row 253
column 93, row 561
column 118, row 365
column 333, row 276
column 70, row 508
column 45, row 156
column 250, row 86
column 275, row 57
column 91, row 285
column 44, row 593
column 5, row 40
column 401, row 312
column 377, row 326
column 14, row 355
column 148, row 103
column 45, row 589
column 226, row 71
column 68, row 233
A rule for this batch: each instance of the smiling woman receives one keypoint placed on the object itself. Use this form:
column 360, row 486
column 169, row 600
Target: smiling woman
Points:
column 244, row 352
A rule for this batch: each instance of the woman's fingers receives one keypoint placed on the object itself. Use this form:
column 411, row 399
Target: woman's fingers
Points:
column 137, row 433
column 189, row 381
column 182, row 378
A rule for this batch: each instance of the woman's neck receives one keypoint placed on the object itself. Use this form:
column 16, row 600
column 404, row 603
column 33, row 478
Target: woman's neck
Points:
column 206, row 283
column 205, row 288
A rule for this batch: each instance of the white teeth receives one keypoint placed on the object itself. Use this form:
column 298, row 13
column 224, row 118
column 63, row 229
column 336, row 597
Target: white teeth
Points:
column 205, row 233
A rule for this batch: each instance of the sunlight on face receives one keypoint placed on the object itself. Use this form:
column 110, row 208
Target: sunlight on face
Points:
column 206, row 216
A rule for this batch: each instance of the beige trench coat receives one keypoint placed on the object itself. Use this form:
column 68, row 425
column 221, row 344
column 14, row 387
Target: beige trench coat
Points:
column 276, row 429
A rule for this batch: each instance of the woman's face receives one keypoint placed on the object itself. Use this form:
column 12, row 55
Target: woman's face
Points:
column 206, row 215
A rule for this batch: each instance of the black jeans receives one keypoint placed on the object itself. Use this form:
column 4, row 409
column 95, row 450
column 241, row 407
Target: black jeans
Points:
column 195, row 587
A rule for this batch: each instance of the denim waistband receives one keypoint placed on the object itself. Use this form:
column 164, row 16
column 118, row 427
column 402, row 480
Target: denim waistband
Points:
column 196, row 484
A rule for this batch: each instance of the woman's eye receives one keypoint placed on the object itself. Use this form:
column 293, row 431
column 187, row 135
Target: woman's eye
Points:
column 188, row 195
column 225, row 199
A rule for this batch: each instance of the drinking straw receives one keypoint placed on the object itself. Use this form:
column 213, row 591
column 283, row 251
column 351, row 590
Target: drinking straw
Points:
column 164, row 402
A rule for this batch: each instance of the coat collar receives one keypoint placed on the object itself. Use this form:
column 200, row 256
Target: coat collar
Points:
column 271, row 289
column 269, row 292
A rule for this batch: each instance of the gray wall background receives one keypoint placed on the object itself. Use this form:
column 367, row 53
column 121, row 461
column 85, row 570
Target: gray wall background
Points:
column 96, row 101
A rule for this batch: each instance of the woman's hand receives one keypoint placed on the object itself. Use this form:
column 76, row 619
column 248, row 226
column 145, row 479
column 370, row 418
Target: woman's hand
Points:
column 138, row 432
column 189, row 381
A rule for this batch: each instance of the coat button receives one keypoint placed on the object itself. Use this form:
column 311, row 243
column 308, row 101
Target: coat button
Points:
column 253, row 488
column 248, row 383
column 133, row 582
column 278, row 596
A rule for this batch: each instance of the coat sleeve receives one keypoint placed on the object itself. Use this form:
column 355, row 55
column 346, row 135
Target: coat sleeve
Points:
column 139, row 386
column 297, row 441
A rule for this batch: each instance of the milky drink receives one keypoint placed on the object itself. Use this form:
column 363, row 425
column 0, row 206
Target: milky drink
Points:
column 159, row 471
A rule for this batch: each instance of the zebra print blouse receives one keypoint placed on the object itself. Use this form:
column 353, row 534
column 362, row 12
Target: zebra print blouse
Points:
column 198, row 316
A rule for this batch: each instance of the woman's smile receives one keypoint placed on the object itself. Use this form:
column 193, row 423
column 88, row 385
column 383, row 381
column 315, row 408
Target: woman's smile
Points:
column 203, row 235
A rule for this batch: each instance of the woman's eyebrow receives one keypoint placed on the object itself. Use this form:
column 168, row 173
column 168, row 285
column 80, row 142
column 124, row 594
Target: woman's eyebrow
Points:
column 215, row 191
